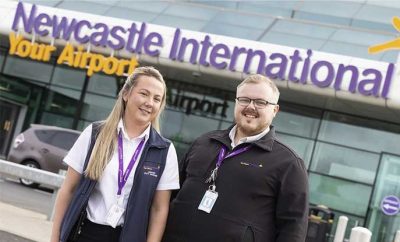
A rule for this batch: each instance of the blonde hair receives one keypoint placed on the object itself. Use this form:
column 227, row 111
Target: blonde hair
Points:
column 107, row 138
column 257, row 78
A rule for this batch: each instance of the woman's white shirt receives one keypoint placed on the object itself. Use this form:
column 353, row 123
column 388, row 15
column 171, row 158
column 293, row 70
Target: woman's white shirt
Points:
column 105, row 193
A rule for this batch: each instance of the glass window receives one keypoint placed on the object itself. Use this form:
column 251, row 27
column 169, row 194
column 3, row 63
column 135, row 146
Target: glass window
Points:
column 292, row 40
column 365, row 24
column 56, row 120
column 321, row 18
column 181, row 149
column 64, row 140
column 252, row 21
column 68, row 77
column 271, row 8
column 225, row 125
column 197, row 12
column 42, row 2
column 127, row 13
column 102, row 84
column 390, row 56
column 82, row 124
column 146, row 6
column 344, row 9
column 34, row 70
column 376, row 13
column 2, row 57
column 62, row 100
column 344, row 162
column 180, row 22
column 234, row 31
column 338, row 194
column 303, row 29
column 303, row 147
column 297, row 121
column 194, row 126
column 171, row 123
column 370, row 135
column 387, row 183
column 82, row 6
column 360, row 37
column 44, row 135
column 343, row 48
column 96, row 107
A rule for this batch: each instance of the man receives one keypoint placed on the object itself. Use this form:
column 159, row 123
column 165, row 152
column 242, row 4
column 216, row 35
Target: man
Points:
column 242, row 184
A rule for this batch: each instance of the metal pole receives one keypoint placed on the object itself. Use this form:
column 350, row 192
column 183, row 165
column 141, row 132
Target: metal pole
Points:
column 360, row 234
column 341, row 229
column 397, row 236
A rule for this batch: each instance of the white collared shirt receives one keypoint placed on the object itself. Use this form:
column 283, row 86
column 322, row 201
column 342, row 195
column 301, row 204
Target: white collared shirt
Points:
column 248, row 139
column 105, row 192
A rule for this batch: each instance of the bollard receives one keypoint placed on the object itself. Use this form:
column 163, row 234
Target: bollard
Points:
column 340, row 229
column 397, row 236
column 360, row 234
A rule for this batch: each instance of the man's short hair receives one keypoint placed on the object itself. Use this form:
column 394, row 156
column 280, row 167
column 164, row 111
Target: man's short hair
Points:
column 257, row 78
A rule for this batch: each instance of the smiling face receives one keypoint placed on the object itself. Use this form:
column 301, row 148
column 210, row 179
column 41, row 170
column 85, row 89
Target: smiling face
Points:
column 249, row 119
column 143, row 101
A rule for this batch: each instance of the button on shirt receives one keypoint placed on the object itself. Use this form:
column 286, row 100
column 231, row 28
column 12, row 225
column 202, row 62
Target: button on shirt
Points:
column 105, row 193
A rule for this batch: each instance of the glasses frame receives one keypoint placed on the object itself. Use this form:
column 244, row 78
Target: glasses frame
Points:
column 254, row 102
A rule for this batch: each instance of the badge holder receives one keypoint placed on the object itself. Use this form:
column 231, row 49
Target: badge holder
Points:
column 209, row 199
column 115, row 213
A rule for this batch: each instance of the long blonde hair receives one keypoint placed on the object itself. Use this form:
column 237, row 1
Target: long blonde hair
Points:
column 107, row 138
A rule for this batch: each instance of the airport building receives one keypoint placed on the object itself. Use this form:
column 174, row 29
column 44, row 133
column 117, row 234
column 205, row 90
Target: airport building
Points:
column 336, row 64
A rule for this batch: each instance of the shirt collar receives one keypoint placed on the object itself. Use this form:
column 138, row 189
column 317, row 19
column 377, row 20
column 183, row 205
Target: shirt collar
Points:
column 144, row 135
column 248, row 139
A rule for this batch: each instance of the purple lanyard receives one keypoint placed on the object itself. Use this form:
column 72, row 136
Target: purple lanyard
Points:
column 123, row 177
column 221, row 155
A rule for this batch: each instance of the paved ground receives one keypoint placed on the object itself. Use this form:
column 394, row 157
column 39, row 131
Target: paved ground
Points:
column 7, row 237
column 23, row 223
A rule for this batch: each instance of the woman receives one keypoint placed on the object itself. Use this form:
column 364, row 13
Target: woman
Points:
column 123, row 193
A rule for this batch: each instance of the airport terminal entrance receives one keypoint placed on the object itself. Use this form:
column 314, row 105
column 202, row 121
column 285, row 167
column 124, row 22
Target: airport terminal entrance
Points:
column 8, row 119
column 384, row 215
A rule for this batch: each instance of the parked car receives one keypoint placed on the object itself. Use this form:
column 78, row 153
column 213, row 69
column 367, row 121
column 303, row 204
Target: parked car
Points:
column 42, row 147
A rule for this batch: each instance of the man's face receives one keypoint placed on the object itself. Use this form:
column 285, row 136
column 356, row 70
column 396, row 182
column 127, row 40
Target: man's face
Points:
column 251, row 120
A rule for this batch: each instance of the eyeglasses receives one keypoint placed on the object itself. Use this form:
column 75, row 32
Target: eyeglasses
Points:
column 258, row 103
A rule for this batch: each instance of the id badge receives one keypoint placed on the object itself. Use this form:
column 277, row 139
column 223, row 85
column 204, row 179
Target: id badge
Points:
column 114, row 215
column 208, row 201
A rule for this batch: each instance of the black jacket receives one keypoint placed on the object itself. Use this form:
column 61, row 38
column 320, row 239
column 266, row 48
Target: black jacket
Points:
column 263, row 194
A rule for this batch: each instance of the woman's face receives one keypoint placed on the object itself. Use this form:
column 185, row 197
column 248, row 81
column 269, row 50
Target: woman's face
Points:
column 143, row 101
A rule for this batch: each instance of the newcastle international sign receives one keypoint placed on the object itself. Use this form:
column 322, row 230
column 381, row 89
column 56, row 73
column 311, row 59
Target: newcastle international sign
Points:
column 205, row 51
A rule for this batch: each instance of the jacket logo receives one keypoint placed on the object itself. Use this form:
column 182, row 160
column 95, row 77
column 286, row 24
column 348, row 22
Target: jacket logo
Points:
column 251, row 164
column 151, row 170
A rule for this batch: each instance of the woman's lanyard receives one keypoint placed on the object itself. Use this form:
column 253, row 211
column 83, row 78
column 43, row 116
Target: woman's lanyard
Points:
column 123, row 177
column 221, row 158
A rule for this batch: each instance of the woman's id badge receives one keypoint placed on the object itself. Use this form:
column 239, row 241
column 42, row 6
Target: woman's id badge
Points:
column 114, row 215
column 209, row 199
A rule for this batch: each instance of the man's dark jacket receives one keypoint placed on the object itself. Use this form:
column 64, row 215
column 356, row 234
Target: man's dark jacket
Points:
column 136, row 215
column 262, row 194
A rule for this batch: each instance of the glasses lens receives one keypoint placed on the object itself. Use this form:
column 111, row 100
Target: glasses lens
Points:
column 260, row 103
column 244, row 100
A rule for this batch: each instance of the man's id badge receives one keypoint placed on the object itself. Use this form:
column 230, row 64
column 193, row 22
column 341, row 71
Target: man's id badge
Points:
column 114, row 215
column 208, row 201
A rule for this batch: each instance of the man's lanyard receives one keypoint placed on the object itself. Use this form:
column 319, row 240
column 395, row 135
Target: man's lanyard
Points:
column 123, row 177
column 221, row 158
